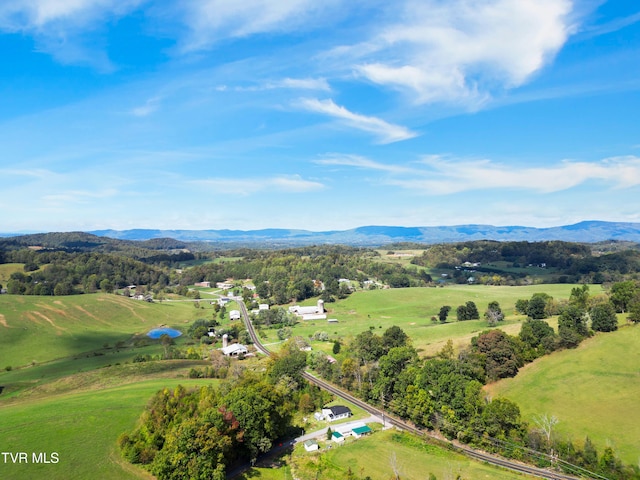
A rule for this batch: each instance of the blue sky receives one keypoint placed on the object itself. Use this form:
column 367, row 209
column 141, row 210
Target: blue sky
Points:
column 210, row 114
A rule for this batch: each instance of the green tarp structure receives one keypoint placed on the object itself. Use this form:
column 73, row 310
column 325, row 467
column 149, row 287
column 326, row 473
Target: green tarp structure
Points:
column 361, row 430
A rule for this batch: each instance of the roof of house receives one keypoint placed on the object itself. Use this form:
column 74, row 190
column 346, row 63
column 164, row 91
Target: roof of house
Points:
column 310, row 443
column 337, row 435
column 339, row 410
column 233, row 348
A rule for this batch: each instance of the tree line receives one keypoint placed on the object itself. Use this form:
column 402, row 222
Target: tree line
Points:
column 202, row 433
column 445, row 393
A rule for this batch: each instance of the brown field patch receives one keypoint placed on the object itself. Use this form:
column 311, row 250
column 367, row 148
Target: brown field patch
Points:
column 3, row 321
column 60, row 312
column 126, row 303
column 47, row 319
column 84, row 311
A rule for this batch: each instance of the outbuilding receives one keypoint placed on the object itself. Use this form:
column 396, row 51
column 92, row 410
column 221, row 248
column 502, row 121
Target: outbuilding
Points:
column 311, row 446
column 234, row 350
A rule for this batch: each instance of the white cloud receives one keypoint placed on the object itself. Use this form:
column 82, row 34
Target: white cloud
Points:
column 249, row 186
column 147, row 108
column 213, row 20
column 304, row 84
column 362, row 162
column 60, row 28
column 451, row 177
column 437, row 175
column 77, row 196
column 386, row 132
column 286, row 83
column 458, row 51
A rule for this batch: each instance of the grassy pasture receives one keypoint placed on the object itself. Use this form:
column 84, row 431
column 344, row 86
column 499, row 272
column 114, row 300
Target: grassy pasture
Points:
column 82, row 426
column 412, row 309
column 593, row 390
column 40, row 329
column 6, row 269
column 372, row 456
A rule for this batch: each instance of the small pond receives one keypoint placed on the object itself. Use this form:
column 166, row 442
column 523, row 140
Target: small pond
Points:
column 158, row 332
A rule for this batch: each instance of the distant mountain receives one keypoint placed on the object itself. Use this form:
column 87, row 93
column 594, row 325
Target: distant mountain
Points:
column 588, row 231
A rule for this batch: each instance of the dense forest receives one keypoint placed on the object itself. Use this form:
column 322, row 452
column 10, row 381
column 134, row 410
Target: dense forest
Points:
column 202, row 432
column 73, row 263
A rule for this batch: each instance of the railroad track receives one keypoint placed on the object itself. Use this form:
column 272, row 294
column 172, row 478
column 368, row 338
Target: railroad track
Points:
column 470, row 452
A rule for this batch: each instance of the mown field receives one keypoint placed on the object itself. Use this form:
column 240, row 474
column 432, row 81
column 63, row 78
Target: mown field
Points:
column 376, row 455
column 593, row 390
column 36, row 329
column 412, row 309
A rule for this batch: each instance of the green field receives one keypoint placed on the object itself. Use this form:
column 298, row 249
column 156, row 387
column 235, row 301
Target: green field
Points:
column 594, row 391
column 412, row 309
column 6, row 269
column 373, row 456
column 36, row 329
column 71, row 390
column 82, row 426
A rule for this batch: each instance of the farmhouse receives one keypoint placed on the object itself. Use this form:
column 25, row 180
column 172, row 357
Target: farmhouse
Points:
column 313, row 312
column 337, row 412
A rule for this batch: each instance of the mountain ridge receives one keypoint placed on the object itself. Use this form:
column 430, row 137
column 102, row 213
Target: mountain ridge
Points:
column 589, row 231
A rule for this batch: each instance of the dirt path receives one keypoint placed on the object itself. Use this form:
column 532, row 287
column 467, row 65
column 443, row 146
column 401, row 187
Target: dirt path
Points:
column 42, row 316
column 126, row 304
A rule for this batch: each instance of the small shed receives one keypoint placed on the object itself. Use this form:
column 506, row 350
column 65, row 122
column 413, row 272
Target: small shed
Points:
column 337, row 437
column 360, row 431
column 311, row 446
column 234, row 315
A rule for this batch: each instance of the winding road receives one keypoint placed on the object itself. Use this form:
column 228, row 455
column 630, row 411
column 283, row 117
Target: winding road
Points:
column 472, row 453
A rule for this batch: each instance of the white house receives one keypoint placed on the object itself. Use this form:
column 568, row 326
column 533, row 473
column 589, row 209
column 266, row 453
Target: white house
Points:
column 337, row 412
column 234, row 350
column 312, row 312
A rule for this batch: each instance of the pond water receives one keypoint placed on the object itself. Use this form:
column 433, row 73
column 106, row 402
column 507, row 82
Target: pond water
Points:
column 158, row 332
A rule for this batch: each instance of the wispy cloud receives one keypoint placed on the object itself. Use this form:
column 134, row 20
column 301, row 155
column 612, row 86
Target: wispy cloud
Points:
column 212, row 20
column 22, row 172
column 250, row 186
column 147, row 108
column 437, row 175
column 610, row 27
column 59, row 28
column 386, row 132
column 320, row 84
column 77, row 196
column 363, row 162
